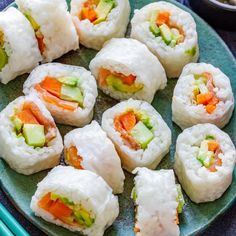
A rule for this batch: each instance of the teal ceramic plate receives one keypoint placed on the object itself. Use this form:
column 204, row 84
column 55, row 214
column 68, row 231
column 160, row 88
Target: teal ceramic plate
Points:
column 195, row 218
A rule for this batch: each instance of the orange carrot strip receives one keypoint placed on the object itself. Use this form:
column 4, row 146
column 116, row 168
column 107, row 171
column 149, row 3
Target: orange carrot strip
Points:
column 45, row 202
column 87, row 13
column 129, row 80
column 210, row 108
column 177, row 218
column 41, row 43
column 49, row 98
column 117, row 124
column 59, row 209
column 214, row 101
column 204, row 98
column 212, row 145
column 103, row 74
column 128, row 120
column 136, row 230
column 52, row 85
column 75, row 159
column 38, row 114
column 27, row 117
column 163, row 18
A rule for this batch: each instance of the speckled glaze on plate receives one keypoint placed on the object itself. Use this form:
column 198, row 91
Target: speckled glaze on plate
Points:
column 196, row 217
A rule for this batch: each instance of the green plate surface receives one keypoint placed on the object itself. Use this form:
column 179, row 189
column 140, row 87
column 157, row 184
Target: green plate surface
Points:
column 195, row 218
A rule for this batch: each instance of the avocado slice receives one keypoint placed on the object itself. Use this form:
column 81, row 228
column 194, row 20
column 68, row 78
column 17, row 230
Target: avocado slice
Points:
column 196, row 90
column 3, row 58
column 115, row 82
column 153, row 26
column 32, row 21
column 204, row 156
column 18, row 124
column 67, row 80
column 34, row 135
column 72, row 94
column 210, row 137
column 142, row 134
column 103, row 9
column 209, row 159
column 83, row 217
column 78, row 217
column 65, row 200
column 192, row 51
column 180, row 199
column 166, row 33
column 134, row 194
column 144, row 118
column 86, row 217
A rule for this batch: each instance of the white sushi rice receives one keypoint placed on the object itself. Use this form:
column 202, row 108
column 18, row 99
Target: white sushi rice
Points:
column 81, row 187
column 20, row 45
column 156, row 202
column 200, row 184
column 128, row 56
column 156, row 149
column 94, row 36
column 172, row 59
column 55, row 24
column 185, row 113
column 80, row 116
column 98, row 154
column 21, row 157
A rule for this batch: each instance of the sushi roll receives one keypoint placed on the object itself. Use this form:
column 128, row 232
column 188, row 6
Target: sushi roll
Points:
column 158, row 201
column 78, row 200
column 89, row 148
column 29, row 139
column 169, row 32
column 125, row 68
column 100, row 20
column 53, row 26
column 204, row 162
column 69, row 92
column 141, row 136
column 19, row 51
column 203, row 94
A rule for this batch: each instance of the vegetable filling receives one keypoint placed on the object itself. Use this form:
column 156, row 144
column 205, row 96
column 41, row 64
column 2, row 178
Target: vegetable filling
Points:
column 208, row 154
column 204, row 92
column 33, row 126
column 73, row 158
column 63, row 92
column 96, row 11
column 3, row 54
column 118, row 81
column 67, row 211
column 161, row 26
column 38, row 34
column 135, row 129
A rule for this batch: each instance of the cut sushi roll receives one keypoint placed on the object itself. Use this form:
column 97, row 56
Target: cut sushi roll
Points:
column 29, row 139
column 53, row 26
column 169, row 32
column 78, row 200
column 89, row 148
column 19, row 51
column 125, row 68
column 100, row 20
column 69, row 92
column 203, row 94
column 158, row 202
column 204, row 162
column 141, row 136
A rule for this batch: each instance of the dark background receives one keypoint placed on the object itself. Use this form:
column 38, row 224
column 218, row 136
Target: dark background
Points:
column 225, row 225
